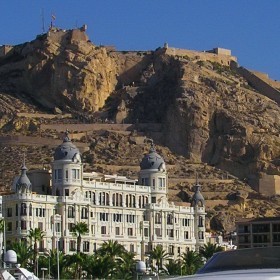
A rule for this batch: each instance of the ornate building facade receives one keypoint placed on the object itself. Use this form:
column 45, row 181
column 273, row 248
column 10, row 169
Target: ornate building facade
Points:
column 136, row 213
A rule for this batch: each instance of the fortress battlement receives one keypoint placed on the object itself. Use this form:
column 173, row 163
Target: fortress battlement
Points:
column 219, row 55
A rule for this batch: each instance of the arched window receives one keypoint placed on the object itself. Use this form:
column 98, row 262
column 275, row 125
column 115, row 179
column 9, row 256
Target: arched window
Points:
column 200, row 221
column 158, row 218
column 142, row 201
column 93, row 198
column 130, row 200
column 117, row 199
column 169, row 219
column 23, row 209
column 104, row 198
column 30, row 209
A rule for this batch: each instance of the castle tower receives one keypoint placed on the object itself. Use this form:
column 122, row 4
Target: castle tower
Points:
column 153, row 173
column 198, row 203
column 23, row 184
column 67, row 168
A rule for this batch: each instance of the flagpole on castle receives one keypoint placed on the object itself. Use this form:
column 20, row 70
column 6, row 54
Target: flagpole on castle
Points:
column 53, row 18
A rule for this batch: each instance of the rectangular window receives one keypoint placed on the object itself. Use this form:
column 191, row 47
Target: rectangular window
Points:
column 72, row 245
column 171, row 250
column 104, row 217
column 66, row 175
column 158, row 218
column 75, row 174
column 170, row 232
column 146, row 232
column 103, row 229
column 59, row 174
column 86, row 246
column 130, row 218
column 161, row 182
column 40, row 225
column 158, row 232
column 131, row 248
column 186, row 222
column 9, row 212
column 117, row 217
column 276, row 227
column 71, row 226
column 57, row 228
column 71, row 212
column 145, row 181
column 66, row 192
column 23, row 225
column 186, row 235
column 130, row 231
column 9, row 226
column 117, row 229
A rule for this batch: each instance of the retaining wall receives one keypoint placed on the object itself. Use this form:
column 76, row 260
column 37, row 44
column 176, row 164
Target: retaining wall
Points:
column 263, row 87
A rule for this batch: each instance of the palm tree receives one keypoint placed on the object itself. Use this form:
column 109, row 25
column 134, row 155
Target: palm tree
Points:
column 24, row 252
column 126, row 266
column 78, row 230
column 50, row 260
column 112, row 253
column 35, row 235
column 112, row 249
column 99, row 266
column 209, row 249
column 192, row 261
column 75, row 264
column 174, row 267
column 159, row 255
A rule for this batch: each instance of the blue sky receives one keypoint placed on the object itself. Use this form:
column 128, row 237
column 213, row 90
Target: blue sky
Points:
column 250, row 28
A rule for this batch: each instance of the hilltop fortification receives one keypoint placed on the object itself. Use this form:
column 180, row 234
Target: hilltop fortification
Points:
column 209, row 109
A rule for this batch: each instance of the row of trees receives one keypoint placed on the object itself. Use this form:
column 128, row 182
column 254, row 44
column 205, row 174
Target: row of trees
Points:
column 110, row 261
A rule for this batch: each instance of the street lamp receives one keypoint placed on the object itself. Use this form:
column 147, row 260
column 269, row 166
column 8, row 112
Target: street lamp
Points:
column 43, row 269
column 48, row 254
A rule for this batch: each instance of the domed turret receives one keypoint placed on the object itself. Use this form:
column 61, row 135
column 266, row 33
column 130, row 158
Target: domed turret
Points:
column 197, row 199
column 153, row 174
column 152, row 160
column 67, row 150
column 67, row 168
column 23, row 183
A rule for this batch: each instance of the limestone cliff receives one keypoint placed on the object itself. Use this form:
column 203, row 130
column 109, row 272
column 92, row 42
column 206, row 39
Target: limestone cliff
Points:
column 210, row 112
column 60, row 69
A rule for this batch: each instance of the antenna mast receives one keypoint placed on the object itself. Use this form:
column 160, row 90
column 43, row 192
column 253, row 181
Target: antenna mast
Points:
column 43, row 20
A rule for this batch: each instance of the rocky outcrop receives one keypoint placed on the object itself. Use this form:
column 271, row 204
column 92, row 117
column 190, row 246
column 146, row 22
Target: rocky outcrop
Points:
column 60, row 69
column 208, row 111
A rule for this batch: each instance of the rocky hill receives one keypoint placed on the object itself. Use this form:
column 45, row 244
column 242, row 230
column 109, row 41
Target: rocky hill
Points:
column 206, row 115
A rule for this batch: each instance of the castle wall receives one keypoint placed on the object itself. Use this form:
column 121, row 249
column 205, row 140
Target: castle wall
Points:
column 223, row 58
column 269, row 185
column 263, row 87
column 155, row 127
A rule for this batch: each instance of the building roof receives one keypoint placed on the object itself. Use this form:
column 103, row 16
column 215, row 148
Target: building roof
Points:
column 67, row 150
column 256, row 220
column 152, row 160
column 23, row 181
column 197, row 198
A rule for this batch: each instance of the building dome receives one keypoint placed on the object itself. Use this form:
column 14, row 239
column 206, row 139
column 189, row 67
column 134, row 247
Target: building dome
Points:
column 67, row 150
column 152, row 160
column 23, row 183
column 197, row 198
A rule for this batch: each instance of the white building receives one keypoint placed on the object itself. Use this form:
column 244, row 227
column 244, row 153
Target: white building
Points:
column 137, row 215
